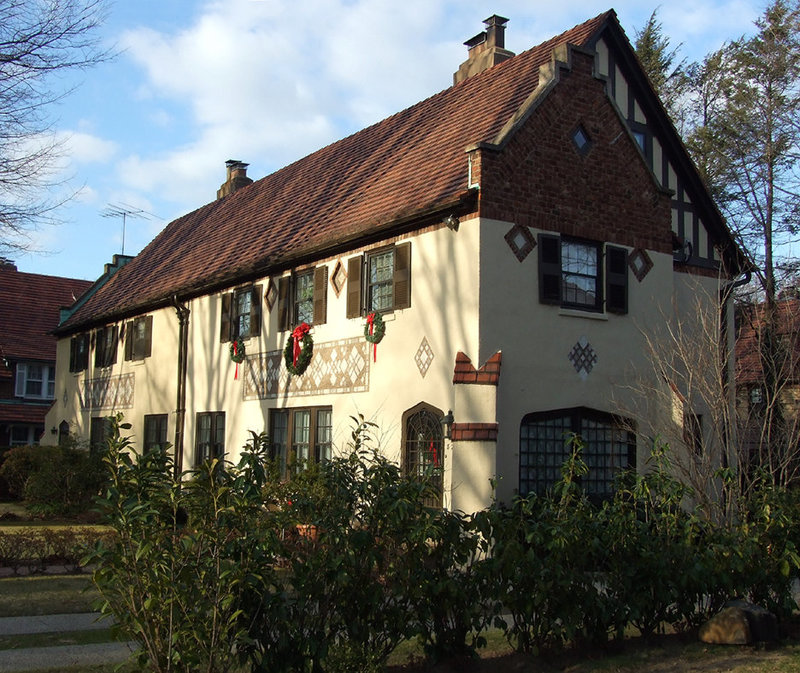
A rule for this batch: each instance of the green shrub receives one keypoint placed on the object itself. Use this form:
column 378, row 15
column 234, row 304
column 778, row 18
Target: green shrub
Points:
column 18, row 465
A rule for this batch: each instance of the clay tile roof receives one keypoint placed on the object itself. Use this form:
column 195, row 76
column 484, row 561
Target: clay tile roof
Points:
column 749, row 339
column 29, row 311
column 407, row 164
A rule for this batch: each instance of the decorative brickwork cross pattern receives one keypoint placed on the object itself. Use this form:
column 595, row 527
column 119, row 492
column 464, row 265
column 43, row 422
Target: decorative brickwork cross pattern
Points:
column 111, row 392
column 424, row 357
column 583, row 357
column 521, row 241
column 640, row 263
column 337, row 367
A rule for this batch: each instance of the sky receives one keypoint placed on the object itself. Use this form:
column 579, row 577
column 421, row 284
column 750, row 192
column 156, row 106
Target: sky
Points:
column 197, row 82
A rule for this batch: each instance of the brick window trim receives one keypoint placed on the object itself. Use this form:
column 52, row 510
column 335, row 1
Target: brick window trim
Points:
column 488, row 374
column 474, row 432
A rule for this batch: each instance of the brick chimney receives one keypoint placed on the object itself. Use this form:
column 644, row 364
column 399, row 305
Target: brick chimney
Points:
column 486, row 49
column 236, row 179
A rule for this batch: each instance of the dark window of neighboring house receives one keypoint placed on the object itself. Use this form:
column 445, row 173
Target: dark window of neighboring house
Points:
column 99, row 432
column 155, row 431
column 423, row 449
column 544, row 446
column 693, row 433
column 303, row 297
column 300, row 436
column 379, row 281
column 139, row 338
column 572, row 274
column 35, row 381
column 210, row 436
column 79, row 353
column 22, row 435
column 105, row 346
column 241, row 313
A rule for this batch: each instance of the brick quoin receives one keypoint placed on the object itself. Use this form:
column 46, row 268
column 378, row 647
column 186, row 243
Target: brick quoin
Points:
column 540, row 180
column 488, row 374
column 474, row 432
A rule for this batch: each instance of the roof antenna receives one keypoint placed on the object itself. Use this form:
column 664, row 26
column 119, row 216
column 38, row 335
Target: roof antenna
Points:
column 125, row 211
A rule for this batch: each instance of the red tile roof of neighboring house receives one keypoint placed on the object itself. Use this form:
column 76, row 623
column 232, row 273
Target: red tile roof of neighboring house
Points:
column 24, row 413
column 29, row 311
column 749, row 339
column 408, row 164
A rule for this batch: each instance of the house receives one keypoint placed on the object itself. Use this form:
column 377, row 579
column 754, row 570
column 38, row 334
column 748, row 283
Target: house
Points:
column 768, row 386
column 29, row 311
column 513, row 234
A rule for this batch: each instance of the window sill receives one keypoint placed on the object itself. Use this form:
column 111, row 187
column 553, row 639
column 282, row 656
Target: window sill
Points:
column 575, row 313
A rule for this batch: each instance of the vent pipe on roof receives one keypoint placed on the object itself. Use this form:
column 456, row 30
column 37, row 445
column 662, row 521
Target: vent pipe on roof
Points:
column 486, row 49
column 236, row 178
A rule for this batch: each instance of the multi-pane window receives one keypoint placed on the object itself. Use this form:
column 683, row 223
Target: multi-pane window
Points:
column 138, row 338
column 301, row 436
column 155, row 431
column 241, row 313
column 303, row 299
column 546, row 442
column 35, row 381
column 23, row 435
column 580, row 274
column 423, row 450
column 209, row 436
column 241, row 316
column 99, row 432
column 105, row 347
column 79, row 353
column 380, row 275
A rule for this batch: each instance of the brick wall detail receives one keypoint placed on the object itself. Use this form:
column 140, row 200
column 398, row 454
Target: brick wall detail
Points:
column 488, row 374
column 474, row 432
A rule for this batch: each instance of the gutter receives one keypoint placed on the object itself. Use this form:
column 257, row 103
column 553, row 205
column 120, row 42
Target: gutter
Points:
column 183, row 313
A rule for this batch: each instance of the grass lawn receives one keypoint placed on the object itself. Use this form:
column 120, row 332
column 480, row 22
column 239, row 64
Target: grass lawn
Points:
column 46, row 595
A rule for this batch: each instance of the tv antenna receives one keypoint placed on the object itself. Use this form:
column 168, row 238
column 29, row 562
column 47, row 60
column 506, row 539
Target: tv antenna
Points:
column 123, row 212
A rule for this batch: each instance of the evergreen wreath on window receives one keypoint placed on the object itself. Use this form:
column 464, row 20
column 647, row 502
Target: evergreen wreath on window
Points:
column 374, row 329
column 237, row 351
column 299, row 349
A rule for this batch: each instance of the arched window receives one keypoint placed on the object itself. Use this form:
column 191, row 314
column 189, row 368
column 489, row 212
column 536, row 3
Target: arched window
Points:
column 423, row 448
column 544, row 445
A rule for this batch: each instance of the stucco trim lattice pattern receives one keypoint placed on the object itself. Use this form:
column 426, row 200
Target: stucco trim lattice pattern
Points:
column 110, row 392
column 337, row 367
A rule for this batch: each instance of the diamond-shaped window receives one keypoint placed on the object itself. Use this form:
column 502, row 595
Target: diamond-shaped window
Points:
column 581, row 139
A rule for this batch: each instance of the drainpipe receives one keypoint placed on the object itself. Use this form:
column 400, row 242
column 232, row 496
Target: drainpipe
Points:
column 180, row 411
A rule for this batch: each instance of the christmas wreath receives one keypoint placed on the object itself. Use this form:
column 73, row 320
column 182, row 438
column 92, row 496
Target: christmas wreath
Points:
column 299, row 349
column 374, row 329
column 237, row 351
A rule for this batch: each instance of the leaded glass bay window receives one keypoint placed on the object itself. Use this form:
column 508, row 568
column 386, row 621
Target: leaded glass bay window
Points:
column 380, row 275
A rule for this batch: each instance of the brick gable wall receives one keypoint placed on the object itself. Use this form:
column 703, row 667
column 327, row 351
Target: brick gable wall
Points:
column 540, row 180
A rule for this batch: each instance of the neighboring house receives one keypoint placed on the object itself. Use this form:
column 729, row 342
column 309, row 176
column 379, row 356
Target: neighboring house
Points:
column 516, row 232
column 29, row 311
column 768, row 386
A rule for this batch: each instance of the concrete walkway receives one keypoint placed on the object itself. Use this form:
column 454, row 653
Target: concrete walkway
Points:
column 61, row 656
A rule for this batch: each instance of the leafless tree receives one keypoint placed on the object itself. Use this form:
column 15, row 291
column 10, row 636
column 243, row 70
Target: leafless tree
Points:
column 39, row 39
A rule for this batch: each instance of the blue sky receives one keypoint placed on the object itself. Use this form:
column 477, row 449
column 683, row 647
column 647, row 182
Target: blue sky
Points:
column 268, row 81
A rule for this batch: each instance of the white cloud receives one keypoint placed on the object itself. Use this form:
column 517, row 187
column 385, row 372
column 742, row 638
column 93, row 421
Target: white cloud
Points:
column 81, row 147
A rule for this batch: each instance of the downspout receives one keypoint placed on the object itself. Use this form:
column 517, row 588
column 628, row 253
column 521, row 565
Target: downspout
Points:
column 180, row 410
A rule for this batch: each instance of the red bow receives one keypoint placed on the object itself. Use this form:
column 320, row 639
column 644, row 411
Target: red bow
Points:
column 236, row 372
column 299, row 332
column 371, row 323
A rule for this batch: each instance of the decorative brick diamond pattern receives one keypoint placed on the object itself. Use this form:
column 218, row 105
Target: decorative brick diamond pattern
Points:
column 521, row 241
column 640, row 263
column 337, row 367
column 111, row 392
column 338, row 277
column 583, row 357
column 271, row 295
column 424, row 357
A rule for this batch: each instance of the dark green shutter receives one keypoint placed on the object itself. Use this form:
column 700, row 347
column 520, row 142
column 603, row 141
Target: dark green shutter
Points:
column 129, row 336
column 549, row 269
column 255, row 311
column 402, row 276
column 148, row 337
column 112, row 356
column 354, row 289
column 616, row 279
column 225, row 322
column 320, row 295
column 284, row 317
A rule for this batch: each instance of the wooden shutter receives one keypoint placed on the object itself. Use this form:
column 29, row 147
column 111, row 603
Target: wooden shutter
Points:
column 148, row 337
column 402, row 276
column 225, row 322
column 112, row 356
column 284, row 314
column 616, row 279
column 255, row 311
column 83, row 352
column 354, row 289
column 549, row 269
column 320, row 295
column 99, row 349
column 129, row 336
